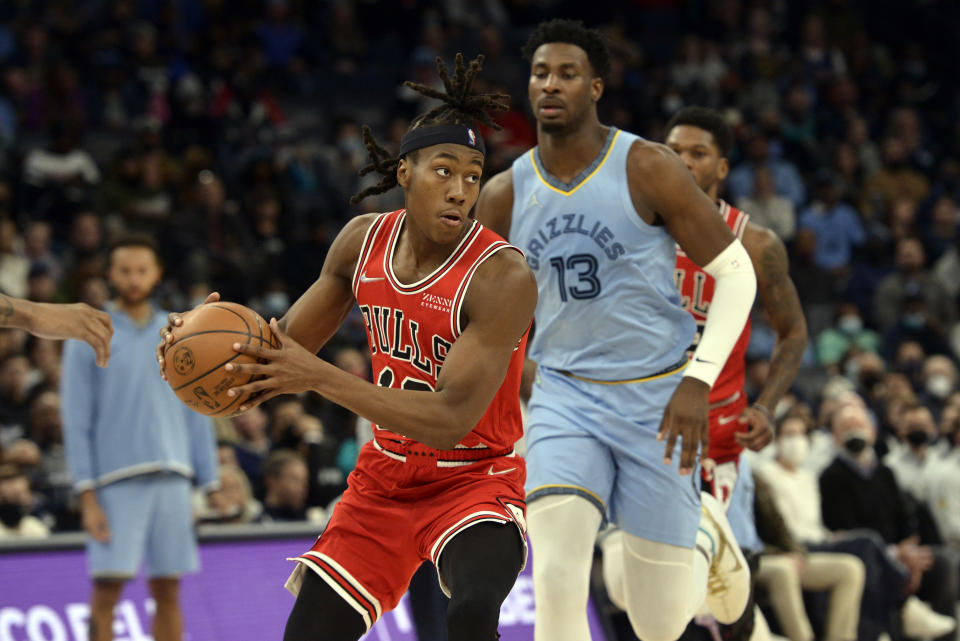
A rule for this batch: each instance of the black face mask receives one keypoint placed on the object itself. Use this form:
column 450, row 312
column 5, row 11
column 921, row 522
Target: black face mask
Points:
column 12, row 513
column 855, row 445
column 917, row 437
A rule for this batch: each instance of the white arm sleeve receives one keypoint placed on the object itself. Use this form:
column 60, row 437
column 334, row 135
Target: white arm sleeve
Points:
column 736, row 287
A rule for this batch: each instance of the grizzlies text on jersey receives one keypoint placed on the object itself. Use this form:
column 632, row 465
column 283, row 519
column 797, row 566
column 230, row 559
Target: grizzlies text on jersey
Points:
column 599, row 263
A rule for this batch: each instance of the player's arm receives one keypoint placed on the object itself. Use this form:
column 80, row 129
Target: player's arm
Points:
column 663, row 190
column 494, row 208
column 320, row 310
column 50, row 320
column 662, row 187
column 472, row 372
column 780, row 300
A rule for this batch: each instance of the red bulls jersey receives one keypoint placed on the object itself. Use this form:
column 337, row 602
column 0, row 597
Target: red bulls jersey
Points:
column 696, row 291
column 412, row 326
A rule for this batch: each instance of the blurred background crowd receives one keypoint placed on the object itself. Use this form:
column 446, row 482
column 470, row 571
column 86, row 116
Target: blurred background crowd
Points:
column 230, row 131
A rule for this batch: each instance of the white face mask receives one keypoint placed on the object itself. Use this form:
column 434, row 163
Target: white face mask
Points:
column 939, row 386
column 850, row 323
column 794, row 448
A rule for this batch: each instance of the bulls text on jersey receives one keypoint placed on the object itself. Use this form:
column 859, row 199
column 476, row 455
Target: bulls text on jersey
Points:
column 394, row 334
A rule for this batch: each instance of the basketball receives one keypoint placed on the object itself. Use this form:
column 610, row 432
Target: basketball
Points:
column 203, row 345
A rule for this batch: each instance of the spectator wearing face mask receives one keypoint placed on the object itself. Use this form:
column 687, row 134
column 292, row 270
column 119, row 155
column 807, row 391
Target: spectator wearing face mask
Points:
column 794, row 568
column 848, row 332
column 16, row 502
column 859, row 491
column 912, row 459
column 939, row 381
column 867, row 371
column 796, row 498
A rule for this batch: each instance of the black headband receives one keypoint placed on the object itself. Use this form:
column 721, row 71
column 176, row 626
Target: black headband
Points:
column 436, row 135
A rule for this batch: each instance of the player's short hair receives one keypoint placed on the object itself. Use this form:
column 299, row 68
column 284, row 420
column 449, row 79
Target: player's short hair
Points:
column 571, row 32
column 134, row 239
column 459, row 106
column 708, row 120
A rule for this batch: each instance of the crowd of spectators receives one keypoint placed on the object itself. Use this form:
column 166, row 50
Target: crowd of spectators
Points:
column 231, row 132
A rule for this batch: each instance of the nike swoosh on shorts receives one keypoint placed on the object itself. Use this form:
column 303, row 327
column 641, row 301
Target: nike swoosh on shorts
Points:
column 492, row 473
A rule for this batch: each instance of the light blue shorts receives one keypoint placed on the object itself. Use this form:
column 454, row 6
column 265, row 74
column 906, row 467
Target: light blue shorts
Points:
column 599, row 442
column 150, row 517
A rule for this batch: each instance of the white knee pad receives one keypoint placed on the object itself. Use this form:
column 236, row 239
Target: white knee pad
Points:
column 612, row 547
column 563, row 529
column 658, row 582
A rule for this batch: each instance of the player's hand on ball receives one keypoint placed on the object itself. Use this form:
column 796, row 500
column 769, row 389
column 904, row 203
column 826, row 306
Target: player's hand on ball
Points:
column 285, row 370
column 166, row 333
column 686, row 418
column 759, row 431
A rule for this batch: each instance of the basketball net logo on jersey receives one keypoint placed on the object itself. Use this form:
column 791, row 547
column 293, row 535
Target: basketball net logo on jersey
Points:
column 696, row 291
column 412, row 327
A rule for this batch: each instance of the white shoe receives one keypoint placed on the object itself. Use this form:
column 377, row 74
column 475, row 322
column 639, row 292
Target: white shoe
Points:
column 728, row 586
column 920, row 621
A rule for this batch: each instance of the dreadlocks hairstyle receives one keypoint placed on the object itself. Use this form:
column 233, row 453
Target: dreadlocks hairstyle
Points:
column 571, row 32
column 708, row 120
column 458, row 107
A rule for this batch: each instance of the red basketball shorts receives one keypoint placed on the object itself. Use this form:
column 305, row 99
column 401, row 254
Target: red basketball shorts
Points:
column 725, row 422
column 396, row 514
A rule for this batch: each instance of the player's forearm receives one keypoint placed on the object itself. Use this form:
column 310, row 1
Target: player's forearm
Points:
column 431, row 418
column 784, row 364
column 735, row 289
column 16, row 312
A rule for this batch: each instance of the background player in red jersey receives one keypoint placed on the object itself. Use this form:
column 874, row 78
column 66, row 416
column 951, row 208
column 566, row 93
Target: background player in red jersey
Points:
column 703, row 141
column 447, row 305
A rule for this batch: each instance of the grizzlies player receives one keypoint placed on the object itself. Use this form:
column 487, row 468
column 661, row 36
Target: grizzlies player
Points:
column 617, row 416
column 703, row 140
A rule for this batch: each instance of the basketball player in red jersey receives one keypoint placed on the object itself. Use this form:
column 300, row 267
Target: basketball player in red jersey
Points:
column 703, row 141
column 447, row 305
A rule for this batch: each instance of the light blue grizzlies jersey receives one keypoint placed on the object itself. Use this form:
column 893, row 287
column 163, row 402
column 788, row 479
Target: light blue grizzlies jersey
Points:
column 608, row 308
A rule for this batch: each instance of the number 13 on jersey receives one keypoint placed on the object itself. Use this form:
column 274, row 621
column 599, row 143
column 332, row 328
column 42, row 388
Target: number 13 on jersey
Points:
column 585, row 283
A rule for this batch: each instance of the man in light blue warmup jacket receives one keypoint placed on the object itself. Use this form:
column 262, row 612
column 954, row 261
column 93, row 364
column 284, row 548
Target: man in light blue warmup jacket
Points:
column 134, row 451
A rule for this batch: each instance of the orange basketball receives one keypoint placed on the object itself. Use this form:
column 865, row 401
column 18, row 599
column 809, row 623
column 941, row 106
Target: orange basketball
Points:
column 194, row 362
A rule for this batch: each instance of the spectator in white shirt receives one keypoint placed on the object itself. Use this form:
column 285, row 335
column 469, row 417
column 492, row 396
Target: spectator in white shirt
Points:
column 796, row 495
